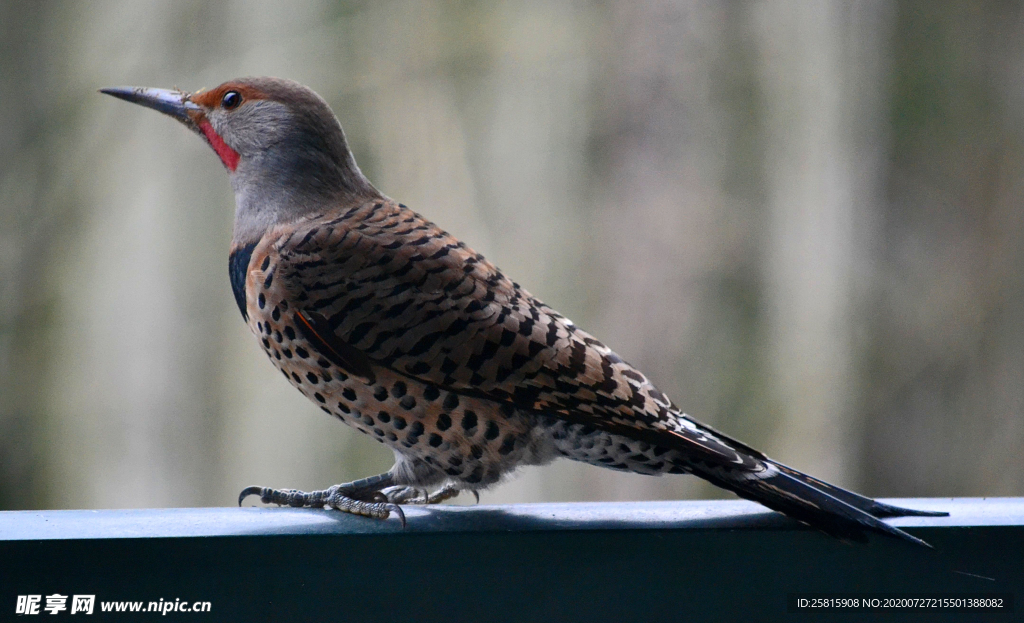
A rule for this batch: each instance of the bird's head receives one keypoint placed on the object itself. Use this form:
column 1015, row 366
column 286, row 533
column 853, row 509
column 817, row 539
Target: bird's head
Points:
column 283, row 147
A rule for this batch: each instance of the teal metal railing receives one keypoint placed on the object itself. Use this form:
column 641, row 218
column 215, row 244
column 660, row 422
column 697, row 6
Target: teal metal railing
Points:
column 650, row 561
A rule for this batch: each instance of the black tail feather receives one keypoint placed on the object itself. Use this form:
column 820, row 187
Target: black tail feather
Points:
column 835, row 511
column 866, row 504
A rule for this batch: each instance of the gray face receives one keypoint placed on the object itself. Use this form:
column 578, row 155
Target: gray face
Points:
column 254, row 127
column 293, row 157
column 281, row 143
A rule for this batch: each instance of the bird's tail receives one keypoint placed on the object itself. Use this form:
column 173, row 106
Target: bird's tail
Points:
column 828, row 508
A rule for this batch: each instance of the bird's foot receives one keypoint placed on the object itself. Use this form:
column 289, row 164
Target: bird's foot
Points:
column 361, row 497
column 404, row 494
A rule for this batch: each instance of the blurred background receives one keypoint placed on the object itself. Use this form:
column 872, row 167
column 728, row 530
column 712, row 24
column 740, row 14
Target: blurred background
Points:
column 802, row 220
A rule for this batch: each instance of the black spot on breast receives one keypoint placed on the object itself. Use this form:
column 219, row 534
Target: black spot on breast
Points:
column 319, row 398
column 434, row 440
column 407, row 402
column 431, row 392
column 444, row 422
column 451, row 401
column 399, row 389
column 261, row 301
column 469, row 420
column 399, row 422
column 301, row 352
column 476, row 475
column 380, row 393
column 276, row 314
column 312, row 378
column 384, row 417
column 290, row 332
column 476, row 452
column 491, row 431
column 344, row 408
column 296, row 377
column 348, row 393
column 507, row 444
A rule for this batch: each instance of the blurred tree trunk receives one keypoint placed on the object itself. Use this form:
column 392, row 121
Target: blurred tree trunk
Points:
column 133, row 403
column 946, row 405
column 678, row 151
column 29, row 227
column 823, row 75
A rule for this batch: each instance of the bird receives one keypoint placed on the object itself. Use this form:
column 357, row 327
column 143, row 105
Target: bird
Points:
column 392, row 325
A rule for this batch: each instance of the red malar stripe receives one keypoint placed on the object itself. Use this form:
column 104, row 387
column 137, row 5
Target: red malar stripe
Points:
column 227, row 155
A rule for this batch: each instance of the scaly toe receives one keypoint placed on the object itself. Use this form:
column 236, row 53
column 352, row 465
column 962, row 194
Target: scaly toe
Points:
column 377, row 510
column 404, row 494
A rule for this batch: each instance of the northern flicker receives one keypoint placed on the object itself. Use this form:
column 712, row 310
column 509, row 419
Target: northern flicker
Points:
column 390, row 324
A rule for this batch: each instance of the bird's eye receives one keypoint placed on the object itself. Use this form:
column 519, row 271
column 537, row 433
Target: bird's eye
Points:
column 231, row 100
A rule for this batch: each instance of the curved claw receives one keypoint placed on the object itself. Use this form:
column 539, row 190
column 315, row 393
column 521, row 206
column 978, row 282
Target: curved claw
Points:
column 398, row 511
column 476, row 494
column 246, row 492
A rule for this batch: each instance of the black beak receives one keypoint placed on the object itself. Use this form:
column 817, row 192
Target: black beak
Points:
column 172, row 103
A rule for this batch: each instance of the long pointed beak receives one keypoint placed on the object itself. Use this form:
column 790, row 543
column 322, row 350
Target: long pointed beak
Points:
column 172, row 103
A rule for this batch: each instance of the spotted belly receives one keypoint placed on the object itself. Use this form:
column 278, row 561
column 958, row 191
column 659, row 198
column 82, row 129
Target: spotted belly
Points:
column 437, row 435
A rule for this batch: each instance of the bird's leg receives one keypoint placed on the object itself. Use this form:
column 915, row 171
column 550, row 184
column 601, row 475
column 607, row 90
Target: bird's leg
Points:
column 360, row 497
column 411, row 495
